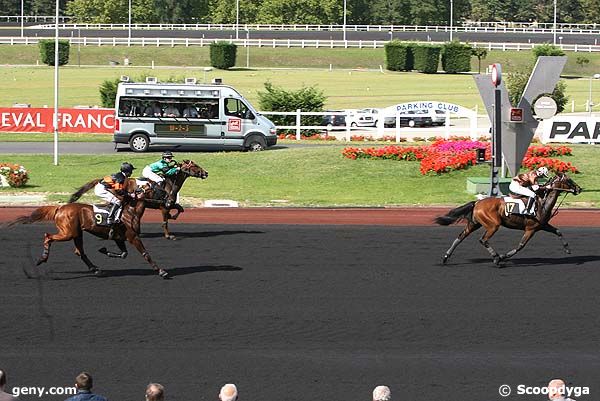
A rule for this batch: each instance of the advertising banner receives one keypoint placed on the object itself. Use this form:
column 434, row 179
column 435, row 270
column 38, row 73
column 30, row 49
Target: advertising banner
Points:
column 16, row 119
column 571, row 129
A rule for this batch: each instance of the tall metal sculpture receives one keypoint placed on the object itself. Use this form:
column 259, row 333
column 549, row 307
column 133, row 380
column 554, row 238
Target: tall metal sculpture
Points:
column 514, row 137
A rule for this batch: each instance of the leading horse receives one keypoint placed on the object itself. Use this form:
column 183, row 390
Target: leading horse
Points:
column 490, row 213
column 164, row 198
column 73, row 219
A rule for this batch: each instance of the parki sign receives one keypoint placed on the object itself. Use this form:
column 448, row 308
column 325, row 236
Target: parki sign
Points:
column 572, row 129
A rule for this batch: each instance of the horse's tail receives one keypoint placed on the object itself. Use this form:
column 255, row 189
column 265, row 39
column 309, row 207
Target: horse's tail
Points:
column 462, row 212
column 39, row 214
column 83, row 190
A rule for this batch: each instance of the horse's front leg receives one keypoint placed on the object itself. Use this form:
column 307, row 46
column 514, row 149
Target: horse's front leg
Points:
column 137, row 243
column 178, row 209
column 524, row 239
column 551, row 229
column 165, row 224
column 81, row 253
column 485, row 242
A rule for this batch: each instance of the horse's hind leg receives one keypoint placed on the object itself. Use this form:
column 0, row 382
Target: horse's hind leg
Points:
column 524, row 239
column 551, row 229
column 471, row 226
column 122, row 247
column 48, row 239
column 81, row 253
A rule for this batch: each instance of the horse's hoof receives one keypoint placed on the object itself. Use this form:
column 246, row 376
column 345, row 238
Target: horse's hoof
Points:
column 171, row 237
column 164, row 274
column 40, row 261
column 445, row 259
column 99, row 273
column 567, row 251
column 497, row 260
column 103, row 250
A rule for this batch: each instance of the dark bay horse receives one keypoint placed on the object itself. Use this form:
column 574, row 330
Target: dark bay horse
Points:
column 73, row 219
column 172, row 186
column 164, row 198
column 489, row 213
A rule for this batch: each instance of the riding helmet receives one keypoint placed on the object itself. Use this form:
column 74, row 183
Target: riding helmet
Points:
column 542, row 172
column 167, row 154
column 127, row 169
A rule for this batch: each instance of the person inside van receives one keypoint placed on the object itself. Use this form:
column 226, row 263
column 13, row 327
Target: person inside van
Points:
column 153, row 110
column 171, row 111
column 190, row 111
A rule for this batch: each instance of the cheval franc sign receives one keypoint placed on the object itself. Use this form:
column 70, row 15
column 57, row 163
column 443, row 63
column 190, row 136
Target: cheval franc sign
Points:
column 27, row 119
column 571, row 129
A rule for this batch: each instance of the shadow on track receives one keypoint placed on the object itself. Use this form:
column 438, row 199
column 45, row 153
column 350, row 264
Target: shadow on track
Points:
column 177, row 271
column 535, row 262
column 203, row 234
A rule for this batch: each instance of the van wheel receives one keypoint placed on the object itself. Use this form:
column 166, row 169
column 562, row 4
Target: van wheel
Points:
column 256, row 144
column 139, row 143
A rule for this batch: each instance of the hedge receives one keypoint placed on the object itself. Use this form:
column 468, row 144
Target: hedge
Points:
column 222, row 55
column 47, row 51
column 399, row 56
column 456, row 57
column 427, row 58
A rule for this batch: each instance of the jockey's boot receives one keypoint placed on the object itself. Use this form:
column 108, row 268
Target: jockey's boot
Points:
column 113, row 213
column 530, row 208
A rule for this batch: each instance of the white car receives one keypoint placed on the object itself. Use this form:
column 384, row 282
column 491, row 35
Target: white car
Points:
column 363, row 117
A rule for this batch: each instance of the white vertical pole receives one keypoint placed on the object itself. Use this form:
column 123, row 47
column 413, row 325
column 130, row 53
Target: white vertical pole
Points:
column 129, row 26
column 451, row 17
column 237, row 19
column 298, row 131
column 554, row 40
column 247, row 48
column 345, row 20
column 22, row 16
column 55, row 119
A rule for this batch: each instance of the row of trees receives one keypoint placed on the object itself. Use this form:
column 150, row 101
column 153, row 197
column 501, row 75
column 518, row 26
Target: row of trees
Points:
column 373, row 12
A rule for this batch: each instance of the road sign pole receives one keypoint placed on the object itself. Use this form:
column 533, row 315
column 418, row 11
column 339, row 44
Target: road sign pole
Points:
column 496, row 132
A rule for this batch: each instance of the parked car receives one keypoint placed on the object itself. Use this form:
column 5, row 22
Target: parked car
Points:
column 438, row 117
column 363, row 117
column 335, row 120
column 412, row 118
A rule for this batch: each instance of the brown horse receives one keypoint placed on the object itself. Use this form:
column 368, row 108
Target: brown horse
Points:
column 172, row 186
column 73, row 219
column 491, row 214
column 161, row 198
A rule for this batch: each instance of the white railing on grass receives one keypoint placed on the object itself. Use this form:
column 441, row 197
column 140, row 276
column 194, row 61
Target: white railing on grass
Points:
column 482, row 27
column 346, row 132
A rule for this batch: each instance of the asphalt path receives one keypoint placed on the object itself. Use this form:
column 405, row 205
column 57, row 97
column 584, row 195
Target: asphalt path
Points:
column 94, row 148
column 303, row 313
column 486, row 37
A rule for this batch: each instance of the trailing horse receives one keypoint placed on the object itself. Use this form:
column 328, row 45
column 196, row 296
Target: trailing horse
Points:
column 491, row 213
column 164, row 198
column 73, row 219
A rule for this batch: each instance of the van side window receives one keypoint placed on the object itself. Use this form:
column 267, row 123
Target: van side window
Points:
column 237, row 108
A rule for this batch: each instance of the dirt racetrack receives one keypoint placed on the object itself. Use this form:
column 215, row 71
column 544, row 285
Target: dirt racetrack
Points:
column 300, row 312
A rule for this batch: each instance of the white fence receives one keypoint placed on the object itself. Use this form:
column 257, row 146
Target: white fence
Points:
column 451, row 127
column 482, row 27
column 273, row 43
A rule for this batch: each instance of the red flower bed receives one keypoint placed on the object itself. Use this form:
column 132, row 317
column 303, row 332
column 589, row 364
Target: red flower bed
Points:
column 458, row 153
